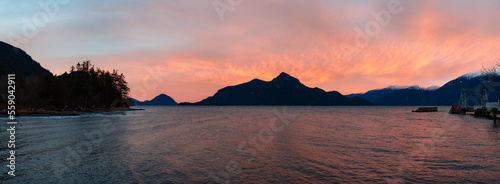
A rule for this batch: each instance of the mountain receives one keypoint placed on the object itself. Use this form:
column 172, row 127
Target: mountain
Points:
column 161, row 99
column 135, row 101
column 15, row 60
column 446, row 95
column 375, row 94
column 282, row 90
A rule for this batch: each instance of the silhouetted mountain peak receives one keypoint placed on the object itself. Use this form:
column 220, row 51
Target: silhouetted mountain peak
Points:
column 161, row 99
column 256, row 81
column 284, row 80
column 282, row 90
column 283, row 74
column 161, row 96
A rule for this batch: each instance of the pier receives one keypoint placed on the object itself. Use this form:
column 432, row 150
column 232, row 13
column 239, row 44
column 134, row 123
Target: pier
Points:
column 486, row 109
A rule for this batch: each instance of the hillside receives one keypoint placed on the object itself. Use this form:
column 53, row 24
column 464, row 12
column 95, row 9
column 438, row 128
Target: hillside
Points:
column 446, row 95
column 375, row 94
column 15, row 60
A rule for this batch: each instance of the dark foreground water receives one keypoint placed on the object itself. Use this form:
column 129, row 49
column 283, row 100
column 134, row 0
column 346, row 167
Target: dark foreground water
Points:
column 256, row 145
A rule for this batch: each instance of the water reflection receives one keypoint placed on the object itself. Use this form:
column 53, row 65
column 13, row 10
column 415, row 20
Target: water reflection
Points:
column 495, row 132
column 320, row 145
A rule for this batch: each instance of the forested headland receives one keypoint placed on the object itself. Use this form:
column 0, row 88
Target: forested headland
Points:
column 84, row 88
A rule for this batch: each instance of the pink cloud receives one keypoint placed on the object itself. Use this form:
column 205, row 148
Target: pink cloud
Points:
column 428, row 43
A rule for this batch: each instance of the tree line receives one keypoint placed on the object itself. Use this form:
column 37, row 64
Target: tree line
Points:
column 85, row 86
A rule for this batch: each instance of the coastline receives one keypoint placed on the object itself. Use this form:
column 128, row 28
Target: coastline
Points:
column 44, row 112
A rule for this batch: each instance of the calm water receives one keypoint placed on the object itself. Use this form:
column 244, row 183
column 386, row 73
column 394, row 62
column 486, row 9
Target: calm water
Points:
column 257, row 145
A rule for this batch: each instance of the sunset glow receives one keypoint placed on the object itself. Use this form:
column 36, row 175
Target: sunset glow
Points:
column 183, row 49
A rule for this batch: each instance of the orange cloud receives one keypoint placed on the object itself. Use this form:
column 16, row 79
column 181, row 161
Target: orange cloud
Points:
column 194, row 54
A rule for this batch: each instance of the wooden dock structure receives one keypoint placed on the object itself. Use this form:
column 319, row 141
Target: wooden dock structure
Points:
column 495, row 117
column 488, row 113
column 486, row 109
column 426, row 109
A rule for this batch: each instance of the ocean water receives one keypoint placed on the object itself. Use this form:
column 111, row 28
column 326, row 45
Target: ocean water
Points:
column 256, row 145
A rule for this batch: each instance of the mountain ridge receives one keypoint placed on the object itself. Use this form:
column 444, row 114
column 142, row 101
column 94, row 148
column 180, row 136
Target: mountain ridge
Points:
column 282, row 90
column 447, row 94
column 375, row 94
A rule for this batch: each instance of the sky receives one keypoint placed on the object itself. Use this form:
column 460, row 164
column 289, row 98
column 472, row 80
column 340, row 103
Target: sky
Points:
column 188, row 49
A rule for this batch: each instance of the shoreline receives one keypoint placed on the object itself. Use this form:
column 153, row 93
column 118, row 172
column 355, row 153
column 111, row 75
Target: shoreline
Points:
column 43, row 112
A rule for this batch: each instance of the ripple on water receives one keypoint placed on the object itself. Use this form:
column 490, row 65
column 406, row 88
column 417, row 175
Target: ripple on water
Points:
column 320, row 145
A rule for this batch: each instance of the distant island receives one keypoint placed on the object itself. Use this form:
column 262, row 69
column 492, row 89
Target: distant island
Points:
column 282, row 90
column 160, row 100
column 84, row 88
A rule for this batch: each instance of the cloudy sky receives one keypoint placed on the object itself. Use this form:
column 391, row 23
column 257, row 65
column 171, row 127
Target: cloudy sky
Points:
column 189, row 49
